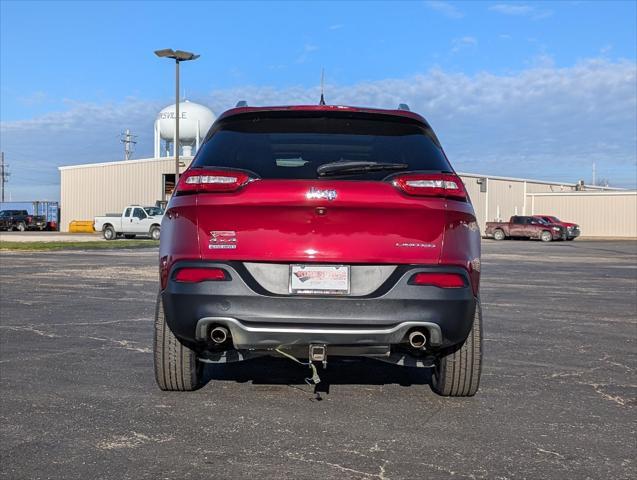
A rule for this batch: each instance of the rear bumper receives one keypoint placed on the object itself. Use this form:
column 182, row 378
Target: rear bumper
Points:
column 267, row 336
column 258, row 319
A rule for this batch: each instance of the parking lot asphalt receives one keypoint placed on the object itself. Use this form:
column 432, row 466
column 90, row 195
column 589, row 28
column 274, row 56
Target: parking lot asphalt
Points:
column 27, row 237
column 557, row 399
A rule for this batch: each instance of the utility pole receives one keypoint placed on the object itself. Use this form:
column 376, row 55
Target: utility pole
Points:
column 594, row 175
column 128, row 140
column 4, row 174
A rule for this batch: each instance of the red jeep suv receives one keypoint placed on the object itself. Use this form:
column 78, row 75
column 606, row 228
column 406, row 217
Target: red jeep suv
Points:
column 320, row 231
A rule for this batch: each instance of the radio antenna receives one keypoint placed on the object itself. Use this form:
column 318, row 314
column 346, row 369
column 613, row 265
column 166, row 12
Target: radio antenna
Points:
column 322, row 100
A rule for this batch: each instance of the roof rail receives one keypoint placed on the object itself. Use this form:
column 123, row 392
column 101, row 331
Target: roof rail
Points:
column 404, row 106
column 241, row 103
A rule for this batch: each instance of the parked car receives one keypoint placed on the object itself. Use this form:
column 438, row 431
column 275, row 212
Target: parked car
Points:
column 525, row 227
column 21, row 220
column 320, row 231
column 572, row 229
column 134, row 220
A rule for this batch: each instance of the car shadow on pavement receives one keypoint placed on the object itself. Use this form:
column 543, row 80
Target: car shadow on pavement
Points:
column 339, row 371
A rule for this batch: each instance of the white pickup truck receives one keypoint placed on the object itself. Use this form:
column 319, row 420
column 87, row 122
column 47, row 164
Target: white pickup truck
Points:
column 134, row 220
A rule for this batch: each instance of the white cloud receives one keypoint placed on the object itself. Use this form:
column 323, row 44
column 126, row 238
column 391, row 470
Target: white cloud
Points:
column 543, row 60
column 84, row 133
column 520, row 9
column 36, row 98
column 543, row 122
column 445, row 8
column 308, row 49
column 336, row 26
column 458, row 44
column 511, row 9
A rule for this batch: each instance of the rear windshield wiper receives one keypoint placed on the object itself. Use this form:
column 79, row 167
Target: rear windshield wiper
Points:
column 351, row 167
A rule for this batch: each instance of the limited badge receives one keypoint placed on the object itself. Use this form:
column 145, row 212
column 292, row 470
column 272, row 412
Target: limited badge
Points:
column 415, row 245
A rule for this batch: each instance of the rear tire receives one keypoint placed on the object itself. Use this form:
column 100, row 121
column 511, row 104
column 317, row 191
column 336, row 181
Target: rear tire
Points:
column 155, row 233
column 176, row 366
column 546, row 236
column 109, row 233
column 458, row 373
column 498, row 235
column 21, row 227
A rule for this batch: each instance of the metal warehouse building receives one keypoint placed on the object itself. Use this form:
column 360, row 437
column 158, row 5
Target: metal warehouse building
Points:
column 95, row 189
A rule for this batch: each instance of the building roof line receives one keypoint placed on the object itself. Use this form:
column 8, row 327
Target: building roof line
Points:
column 122, row 162
column 533, row 180
column 463, row 174
column 570, row 194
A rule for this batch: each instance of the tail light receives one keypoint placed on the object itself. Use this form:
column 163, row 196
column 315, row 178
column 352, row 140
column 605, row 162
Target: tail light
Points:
column 196, row 275
column 204, row 181
column 431, row 185
column 29, row 219
column 441, row 280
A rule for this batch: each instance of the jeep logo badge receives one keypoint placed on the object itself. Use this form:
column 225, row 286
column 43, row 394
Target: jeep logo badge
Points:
column 318, row 193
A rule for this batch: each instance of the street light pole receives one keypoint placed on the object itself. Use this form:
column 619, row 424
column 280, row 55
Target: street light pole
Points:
column 176, row 122
column 178, row 56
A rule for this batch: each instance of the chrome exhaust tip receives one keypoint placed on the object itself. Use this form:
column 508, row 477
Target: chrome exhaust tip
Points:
column 417, row 339
column 219, row 335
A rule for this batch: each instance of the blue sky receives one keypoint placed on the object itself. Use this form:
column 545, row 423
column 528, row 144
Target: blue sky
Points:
column 534, row 89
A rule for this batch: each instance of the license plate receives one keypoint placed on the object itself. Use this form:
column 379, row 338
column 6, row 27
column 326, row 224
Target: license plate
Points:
column 319, row 279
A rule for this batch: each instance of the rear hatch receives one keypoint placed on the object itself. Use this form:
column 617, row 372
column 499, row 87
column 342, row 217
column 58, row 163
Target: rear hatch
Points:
column 332, row 187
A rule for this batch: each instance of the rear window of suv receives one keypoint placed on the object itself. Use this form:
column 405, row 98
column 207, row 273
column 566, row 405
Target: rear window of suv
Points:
column 293, row 147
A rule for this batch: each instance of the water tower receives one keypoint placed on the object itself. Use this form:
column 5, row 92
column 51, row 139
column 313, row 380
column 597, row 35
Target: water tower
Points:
column 195, row 121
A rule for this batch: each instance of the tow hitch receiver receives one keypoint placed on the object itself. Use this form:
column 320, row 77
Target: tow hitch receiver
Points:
column 318, row 353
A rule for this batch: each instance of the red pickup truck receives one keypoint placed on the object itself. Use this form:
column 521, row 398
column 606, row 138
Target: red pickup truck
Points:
column 572, row 229
column 526, row 227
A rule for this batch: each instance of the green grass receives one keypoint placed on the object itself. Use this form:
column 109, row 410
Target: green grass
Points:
column 96, row 245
